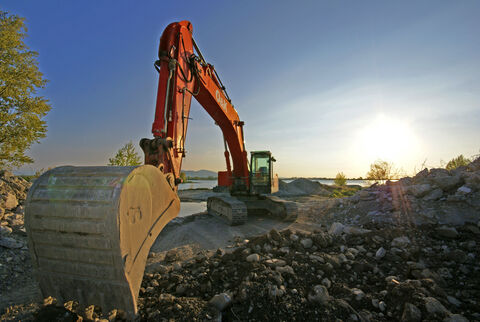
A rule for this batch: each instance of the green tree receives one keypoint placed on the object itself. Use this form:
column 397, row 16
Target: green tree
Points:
column 382, row 170
column 340, row 179
column 126, row 156
column 21, row 109
column 183, row 176
column 457, row 162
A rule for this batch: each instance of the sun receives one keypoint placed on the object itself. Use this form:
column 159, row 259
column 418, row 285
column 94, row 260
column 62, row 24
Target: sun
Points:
column 387, row 138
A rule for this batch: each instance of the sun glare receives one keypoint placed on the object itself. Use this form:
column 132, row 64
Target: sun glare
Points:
column 387, row 138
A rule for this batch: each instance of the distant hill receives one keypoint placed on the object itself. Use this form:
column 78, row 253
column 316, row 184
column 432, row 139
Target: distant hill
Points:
column 200, row 173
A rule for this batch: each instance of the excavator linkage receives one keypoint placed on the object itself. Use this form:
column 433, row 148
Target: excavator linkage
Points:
column 90, row 230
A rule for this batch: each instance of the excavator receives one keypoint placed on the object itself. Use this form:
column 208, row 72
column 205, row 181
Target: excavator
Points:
column 90, row 229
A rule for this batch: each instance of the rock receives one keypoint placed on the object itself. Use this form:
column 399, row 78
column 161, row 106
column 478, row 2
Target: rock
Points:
column 326, row 282
column 447, row 183
column 463, row 190
column 275, row 291
column 275, row 262
column 10, row 201
column 382, row 306
column 421, row 175
column 350, row 230
column 319, row 294
column 411, row 313
column 220, row 301
column 10, row 243
column 285, row 269
column 453, row 301
column 433, row 306
column 401, row 242
column 171, row 255
column 456, row 318
column 253, row 258
column 419, row 190
column 306, row 243
column 446, row 232
column 381, row 252
column 5, row 230
column 434, row 194
column 336, row 229
column 358, row 293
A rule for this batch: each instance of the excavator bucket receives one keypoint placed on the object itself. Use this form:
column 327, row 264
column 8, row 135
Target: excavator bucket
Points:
column 90, row 230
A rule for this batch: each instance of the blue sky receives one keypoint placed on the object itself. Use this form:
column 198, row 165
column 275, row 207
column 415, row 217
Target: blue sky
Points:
column 326, row 86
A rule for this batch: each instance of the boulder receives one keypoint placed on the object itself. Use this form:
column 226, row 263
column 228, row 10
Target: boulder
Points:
column 419, row 190
column 447, row 183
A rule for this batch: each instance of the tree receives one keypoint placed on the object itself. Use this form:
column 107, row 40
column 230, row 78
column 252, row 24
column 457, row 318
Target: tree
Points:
column 340, row 179
column 21, row 109
column 382, row 170
column 183, row 176
column 126, row 156
column 457, row 162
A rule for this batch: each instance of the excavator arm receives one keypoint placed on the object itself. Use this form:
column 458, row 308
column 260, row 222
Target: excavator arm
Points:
column 183, row 73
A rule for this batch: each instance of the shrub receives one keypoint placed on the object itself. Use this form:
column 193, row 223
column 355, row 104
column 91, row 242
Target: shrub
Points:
column 457, row 162
column 340, row 179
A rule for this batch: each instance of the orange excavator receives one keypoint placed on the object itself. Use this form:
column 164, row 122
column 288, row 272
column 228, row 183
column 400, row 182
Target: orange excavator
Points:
column 90, row 229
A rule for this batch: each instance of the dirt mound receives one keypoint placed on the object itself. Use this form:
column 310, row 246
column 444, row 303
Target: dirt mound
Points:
column 302, row 186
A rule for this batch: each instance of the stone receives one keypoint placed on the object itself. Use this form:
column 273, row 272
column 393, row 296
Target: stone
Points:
column 275, row 262
column 446, row 232
column 350, row 230
column 463, row 190
column 453, row 301
column 336, row 229
column 456, row 318
column 5, row 230
column 358, row 293
column 253, row 258
column 447, row 183
column 419, row 190
column 381, row 252
column 401, row 242
column 11, row 201
column 285, row 269
column 171, row 255
column 411, row 313
column 220, row 301
column 319, row 295
column 326, row 282
column 11, row 243
column 434, row 194
column 306, row 243
column 382, row 306
column 433, row 306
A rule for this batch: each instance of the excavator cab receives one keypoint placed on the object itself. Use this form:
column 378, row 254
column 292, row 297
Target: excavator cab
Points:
column 262, row 179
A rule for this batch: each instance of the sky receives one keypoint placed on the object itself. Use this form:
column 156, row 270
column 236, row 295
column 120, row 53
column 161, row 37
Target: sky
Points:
column 327, row 86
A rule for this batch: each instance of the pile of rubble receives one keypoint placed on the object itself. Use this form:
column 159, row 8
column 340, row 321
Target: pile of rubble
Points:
column 402, row 251
column 426, row 274
column 14, row 257
column 435, row 196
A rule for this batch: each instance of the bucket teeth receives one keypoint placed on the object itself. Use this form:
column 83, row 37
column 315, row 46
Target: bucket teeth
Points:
column 90, row 230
